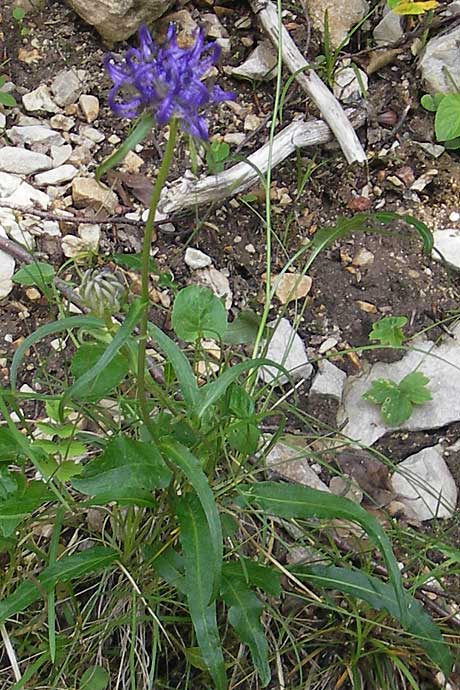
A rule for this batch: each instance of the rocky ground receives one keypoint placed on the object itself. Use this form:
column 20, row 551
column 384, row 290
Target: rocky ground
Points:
column 61, row 128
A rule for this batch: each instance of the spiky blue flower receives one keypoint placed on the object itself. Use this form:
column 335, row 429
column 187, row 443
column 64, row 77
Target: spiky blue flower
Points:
column 166, row 80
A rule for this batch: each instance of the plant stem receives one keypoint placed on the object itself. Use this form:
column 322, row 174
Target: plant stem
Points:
column 148, row 233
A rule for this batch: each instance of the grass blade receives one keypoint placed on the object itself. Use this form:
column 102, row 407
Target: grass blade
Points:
column 199, row 583
column 89, row 322
column 381, row 595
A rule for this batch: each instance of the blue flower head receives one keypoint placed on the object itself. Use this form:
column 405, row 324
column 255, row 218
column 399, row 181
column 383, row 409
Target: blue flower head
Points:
column 166, row 80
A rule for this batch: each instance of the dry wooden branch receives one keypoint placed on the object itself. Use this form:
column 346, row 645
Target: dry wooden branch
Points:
column 188, row 193
column 328, row 105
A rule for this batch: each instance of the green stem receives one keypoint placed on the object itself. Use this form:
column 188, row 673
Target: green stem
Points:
column 148, row 234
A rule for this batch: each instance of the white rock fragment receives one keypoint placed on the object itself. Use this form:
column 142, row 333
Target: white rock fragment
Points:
column 93, row 134
column 62, row 122
column 2, row 121
column 73, row 247
column 454, row 217
column 329, row 380
column 447, row 243
column 425, row 485
column 194, row 258
column 292, row 464
column 67, row 86
column 342, row 15
column 389, row 29
column 26, row 196
column 21, row 236
column 350, row 84
column 60, row 154
column 260, row 65
column 236, row 138
column 8, row 184
column 86, row 191
column 90, row 233
column 215, row 280
column 23, row 161
column 7, row 266
column 34, row 134
column 440, row 59
column 63, row 173
column 365, row 423
column 287, row 349
column 40, row 99
column 132, row 163
column 89, row 106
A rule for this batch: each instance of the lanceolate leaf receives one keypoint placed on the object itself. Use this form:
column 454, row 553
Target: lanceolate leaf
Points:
column 293, row 501
column 199, row 584
column 381, row 595
column 190, row 466
column 22, row 502
column 244, row 613
column 67, row 568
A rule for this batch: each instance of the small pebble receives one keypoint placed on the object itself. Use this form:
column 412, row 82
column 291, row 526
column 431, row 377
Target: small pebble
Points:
column 454, row 216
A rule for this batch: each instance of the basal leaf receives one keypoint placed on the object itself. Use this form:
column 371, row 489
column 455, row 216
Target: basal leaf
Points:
column 389, row 331
column 292, row 501
column 199, row 583
column 126, row 470
column 447, row 118
column 38, row 273
column 243, row 329
column 198, row 313
column 381, row 595
column 86, row 357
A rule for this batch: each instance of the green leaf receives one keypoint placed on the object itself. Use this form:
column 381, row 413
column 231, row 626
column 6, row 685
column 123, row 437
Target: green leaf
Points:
column 94, row 678
column 181, row 365
column 39, row 273
column 255, row 574
column 243, row 329
column 244, row 613
column 88, row 322
column 447, row 118
column 397, row 400
column 142, row 128
column 170, row 566
column 197, row 547
column 240, row 402
column 120, row 338
column 9, row 448
column 113, row 374
column 452, row 144
column 198, row 313
column 67, row 568
column 134, row 262
column 381, row 595
column 292, row 501
column 190, row 466
column 127, row 471
column 243, row 436
column 389, row 331
column 431, row 103
column 17, row 504
column 7, row 100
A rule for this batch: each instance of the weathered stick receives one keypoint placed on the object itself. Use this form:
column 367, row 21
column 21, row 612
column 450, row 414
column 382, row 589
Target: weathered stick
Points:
column 328, row 105
column 186, row 193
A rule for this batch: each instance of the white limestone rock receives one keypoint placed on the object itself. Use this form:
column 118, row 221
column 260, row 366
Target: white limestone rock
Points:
column 440, row 58
column 194, row 258
column 63, row 173
column 424, row 484
column 34, row 134
column 329, row 380
column 287, row 349
column 7, row 266
column 40, row 99
column 68, row 85
column 447, row 243
column 23, row 161
column 260, row 65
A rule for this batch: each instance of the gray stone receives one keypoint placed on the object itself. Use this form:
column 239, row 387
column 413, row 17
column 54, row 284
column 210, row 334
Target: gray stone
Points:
column 61, row 154
column 447, row 242
column 94, row 135
column 63, row 173
column 8, row 184
column 342, row 16
column 22, row 161
column 287, row 349
column 389, row 29
column 86, row 191
column 348, row 87
column 34, row 134
column 260, row 65
column 62, row 122
column 67, row 86
column 434, row 150
column 7, row 266
column 329, row 380
column 89, row 106
column 40, row 99
column 27, row 196
column 425, row 485
column 196, row 259
column 292, row 463
column 2, row 121
column 440, row 363
column 117, row 20
column 440, row 58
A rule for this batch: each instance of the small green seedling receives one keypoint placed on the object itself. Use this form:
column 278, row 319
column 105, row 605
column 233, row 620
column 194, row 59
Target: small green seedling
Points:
column 397, row 400
column 447, row 118
column 18, row 15
column 6, row 99
column 216, row 155
column 389, row 331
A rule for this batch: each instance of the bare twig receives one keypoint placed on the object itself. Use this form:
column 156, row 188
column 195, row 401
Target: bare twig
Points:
column 188, row 193
column 328, row 105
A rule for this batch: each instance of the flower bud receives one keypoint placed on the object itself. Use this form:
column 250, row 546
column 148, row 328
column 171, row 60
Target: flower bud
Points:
column 102, row 292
